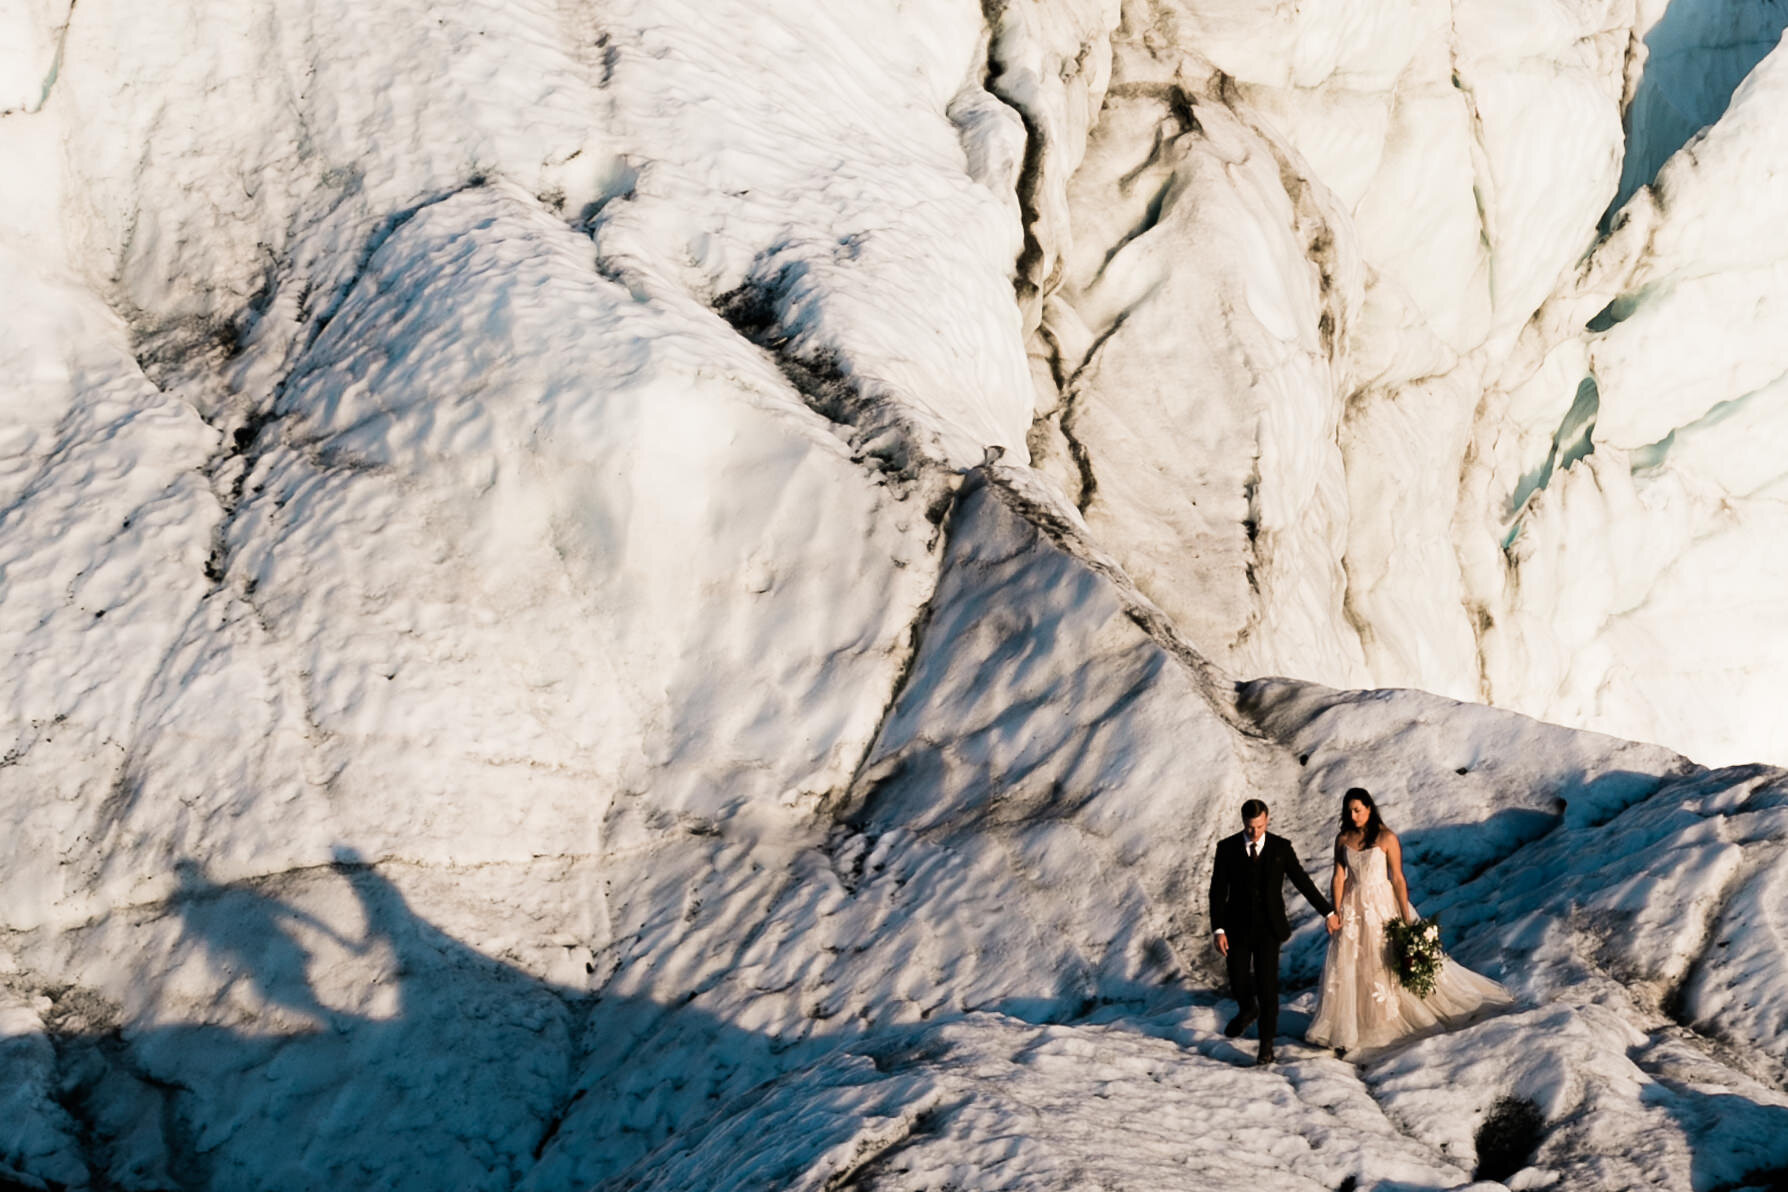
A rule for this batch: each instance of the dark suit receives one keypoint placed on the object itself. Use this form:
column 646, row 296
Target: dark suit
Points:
column 1248, row 905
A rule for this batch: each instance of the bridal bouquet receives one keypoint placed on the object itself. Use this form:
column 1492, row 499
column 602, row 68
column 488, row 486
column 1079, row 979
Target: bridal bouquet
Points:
column 1415, row 947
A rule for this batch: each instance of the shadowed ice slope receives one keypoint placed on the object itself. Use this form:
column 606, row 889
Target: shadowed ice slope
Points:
column 947, row 978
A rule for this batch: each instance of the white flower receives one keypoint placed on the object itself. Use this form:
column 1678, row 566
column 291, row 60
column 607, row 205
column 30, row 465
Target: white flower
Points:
column 1431, row 932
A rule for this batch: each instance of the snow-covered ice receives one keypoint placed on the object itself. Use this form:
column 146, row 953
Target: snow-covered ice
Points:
column 622, row 595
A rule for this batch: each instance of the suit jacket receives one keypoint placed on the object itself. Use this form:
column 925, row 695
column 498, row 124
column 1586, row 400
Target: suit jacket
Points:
column 1248, row 897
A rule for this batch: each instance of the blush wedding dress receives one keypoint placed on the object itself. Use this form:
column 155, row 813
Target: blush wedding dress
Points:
column 1361, row 1005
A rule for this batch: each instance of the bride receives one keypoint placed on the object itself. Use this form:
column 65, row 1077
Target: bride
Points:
column 1362, row 1005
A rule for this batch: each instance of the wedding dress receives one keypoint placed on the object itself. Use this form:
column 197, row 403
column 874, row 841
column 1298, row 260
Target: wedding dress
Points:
column 1361, row 1004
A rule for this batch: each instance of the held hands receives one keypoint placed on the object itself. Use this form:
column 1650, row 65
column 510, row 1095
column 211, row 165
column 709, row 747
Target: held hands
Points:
column 1333, row 923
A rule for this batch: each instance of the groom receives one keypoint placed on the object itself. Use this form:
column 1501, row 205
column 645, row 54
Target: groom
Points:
column 1248, row 912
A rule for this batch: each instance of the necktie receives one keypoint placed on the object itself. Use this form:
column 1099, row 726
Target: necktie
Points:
column 1253, row 851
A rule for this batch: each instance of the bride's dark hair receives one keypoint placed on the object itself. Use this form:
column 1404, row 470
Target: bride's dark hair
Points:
column 1374, row 824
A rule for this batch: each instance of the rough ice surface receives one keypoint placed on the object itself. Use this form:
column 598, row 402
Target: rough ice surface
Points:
column 675, row 595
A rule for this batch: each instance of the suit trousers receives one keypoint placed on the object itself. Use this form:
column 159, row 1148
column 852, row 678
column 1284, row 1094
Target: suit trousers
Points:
column 1254, row 979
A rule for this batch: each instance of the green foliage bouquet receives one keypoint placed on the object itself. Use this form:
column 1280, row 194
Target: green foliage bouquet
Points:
column 1415, row 950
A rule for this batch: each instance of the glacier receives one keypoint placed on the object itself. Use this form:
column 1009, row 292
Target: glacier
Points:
column 675, row 595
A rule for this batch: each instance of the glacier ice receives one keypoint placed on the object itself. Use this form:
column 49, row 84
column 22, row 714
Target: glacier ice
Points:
column 675, row 595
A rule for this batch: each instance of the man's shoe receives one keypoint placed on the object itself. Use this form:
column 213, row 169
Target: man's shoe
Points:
column 1266, row 1054
column 1239, row 1023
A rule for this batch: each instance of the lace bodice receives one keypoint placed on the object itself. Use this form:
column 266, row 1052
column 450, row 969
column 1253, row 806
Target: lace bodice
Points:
column 1368, row 899
column 1366, row 866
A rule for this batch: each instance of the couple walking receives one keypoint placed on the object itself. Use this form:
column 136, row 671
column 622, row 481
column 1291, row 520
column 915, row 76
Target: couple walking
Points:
column 1361, row 1004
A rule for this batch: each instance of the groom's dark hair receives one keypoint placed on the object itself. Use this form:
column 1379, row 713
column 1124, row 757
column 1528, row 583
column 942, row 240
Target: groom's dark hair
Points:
column 1253, row 809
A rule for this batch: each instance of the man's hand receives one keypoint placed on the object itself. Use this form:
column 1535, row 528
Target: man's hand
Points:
column 1334, row 922
column 1223, row 943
